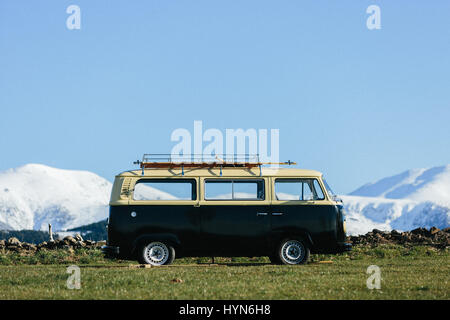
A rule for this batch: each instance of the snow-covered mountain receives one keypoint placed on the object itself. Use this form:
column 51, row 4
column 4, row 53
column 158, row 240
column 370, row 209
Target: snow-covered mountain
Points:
column 34, row 195
column 414, row 198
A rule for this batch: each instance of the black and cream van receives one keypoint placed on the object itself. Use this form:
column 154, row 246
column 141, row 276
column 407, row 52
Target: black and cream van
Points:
column 167, row 210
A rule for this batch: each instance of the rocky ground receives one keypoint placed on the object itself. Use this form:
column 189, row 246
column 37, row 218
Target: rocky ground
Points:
column 421, row 236
column 433, row 237
column 69, row 243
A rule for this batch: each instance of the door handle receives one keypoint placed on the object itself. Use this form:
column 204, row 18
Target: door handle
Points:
column 277, row 213
column 261, row 214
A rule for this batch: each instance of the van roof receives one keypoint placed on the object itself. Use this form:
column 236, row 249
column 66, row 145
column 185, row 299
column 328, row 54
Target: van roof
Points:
column 226, row 172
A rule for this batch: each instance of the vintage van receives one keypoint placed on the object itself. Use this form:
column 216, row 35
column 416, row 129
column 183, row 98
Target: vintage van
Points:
column 167, row 210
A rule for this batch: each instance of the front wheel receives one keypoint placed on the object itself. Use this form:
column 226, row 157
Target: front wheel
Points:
column 156, row 254
column 293, row 251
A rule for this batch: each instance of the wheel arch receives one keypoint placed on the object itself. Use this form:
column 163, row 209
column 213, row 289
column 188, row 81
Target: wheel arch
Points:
column 296, row 233
column 167, row 238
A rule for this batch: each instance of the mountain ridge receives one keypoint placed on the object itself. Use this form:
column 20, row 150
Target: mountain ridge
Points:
column 411, row 199
column 424, row 184
column 33, row 195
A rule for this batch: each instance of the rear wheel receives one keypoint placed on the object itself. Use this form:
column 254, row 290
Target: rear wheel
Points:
column 292, row 252
column 156, row 253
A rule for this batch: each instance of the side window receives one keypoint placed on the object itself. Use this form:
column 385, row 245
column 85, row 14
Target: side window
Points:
column 218, row 190
column 165, row 189
column 307, row 192
column 234, row 189
column 298, row 189
column 286, row 189
column 319, row 192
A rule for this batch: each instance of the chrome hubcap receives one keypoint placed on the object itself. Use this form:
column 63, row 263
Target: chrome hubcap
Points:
column 293, row 252
column 156, row 253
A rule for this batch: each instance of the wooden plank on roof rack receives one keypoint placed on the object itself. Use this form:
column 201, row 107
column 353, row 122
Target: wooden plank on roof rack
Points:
column 162, row 165
column 148, row 165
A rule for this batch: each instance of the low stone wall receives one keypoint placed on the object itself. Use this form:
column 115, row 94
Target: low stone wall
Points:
column 69, row 243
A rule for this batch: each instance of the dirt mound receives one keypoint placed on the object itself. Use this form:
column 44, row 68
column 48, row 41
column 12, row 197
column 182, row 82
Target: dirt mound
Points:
column 420, row 236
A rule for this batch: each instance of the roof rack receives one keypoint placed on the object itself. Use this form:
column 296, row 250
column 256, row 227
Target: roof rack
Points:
column 162, row 161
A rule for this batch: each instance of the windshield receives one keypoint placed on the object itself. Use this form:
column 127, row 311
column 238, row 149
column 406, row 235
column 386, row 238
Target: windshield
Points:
column 330, row 191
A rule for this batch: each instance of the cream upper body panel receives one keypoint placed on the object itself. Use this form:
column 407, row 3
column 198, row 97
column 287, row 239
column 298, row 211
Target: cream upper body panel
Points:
column 125, row 181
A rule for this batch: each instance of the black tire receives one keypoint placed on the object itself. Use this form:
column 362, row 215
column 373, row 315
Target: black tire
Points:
column 292, row 251
column 156, row 253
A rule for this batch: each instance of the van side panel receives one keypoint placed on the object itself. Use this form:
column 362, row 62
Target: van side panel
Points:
column 180, row 224
column 315, row 223
column 235, row 230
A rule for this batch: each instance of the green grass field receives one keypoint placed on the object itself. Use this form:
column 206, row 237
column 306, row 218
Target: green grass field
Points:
column 407, row 273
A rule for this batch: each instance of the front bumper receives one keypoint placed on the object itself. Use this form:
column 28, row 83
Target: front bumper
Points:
column 345, row 246
column 110, row 250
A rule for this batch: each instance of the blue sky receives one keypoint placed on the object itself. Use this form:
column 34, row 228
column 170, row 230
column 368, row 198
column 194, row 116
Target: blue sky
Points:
column 354, row 103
